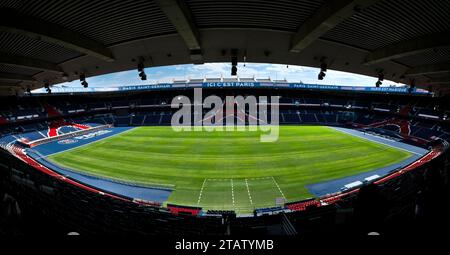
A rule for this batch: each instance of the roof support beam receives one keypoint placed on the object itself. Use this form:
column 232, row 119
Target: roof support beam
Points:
column 15, row 77
column 13, row 22
column 407, row 48
column 428, row 69
column 180, row 16
column 327, row 17
column 30, row 63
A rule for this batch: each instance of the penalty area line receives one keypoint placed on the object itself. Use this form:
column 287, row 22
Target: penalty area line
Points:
column 259, row 178
column 232, row 191
column 278, row 186
column 248, row 191
column 201, row 191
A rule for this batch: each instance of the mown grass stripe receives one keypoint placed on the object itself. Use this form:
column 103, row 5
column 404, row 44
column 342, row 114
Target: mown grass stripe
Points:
column 203, row 166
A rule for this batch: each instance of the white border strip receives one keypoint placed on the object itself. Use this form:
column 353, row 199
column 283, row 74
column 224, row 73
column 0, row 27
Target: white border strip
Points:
column 379, row 137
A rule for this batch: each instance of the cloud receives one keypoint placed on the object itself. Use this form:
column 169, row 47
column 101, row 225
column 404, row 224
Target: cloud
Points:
column 210, row 70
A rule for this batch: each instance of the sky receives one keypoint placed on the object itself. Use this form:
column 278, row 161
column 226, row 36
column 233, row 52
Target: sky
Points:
column 166, row 74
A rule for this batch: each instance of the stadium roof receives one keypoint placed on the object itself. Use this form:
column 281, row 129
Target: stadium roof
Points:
column 56, row 41
column 235, row 83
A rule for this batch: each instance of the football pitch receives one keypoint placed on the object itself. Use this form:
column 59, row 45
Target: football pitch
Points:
column 230, row 170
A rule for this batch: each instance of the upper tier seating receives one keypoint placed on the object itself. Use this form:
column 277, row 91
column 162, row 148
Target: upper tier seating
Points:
column 151, row 109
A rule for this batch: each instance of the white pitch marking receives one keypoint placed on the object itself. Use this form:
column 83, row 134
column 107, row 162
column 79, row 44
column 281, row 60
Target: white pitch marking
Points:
column 379, row 142
column 278, row 187
column 260, row 178
column 248, row 191
column 215, row 179
column 232, row 191
column 201, row 191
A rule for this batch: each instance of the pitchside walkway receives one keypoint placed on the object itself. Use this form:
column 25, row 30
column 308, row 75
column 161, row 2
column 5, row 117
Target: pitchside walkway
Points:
column 41, row 152
column 324, row 188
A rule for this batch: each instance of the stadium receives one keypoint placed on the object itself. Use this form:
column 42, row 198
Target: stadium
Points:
column 341, row 160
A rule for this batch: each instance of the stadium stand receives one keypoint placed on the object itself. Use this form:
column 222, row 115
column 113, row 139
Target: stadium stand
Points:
column 147, row 109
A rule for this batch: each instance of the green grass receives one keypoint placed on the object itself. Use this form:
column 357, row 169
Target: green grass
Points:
column 260, row 172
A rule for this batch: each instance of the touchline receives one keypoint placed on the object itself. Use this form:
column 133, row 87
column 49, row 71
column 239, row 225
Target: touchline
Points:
column 241, row 113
